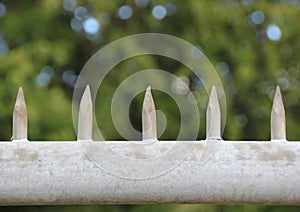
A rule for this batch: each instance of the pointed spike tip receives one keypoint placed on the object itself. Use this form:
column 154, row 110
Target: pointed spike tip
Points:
column 87, row 87
column 278, row 106
column 85, row 117
column 20, row 101
column 213, row 116
column 148, row 99
column 277, row 96
column 86, row 93
column 277, row 91
column 278, row 122
column 149, row 117
column 20, row 118
column 213, row 95
column 213, row 89
column 20, row 91
column 86, row 100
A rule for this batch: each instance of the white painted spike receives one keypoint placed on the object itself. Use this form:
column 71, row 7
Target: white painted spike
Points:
column 149, row 117
column 20, row 118
column 213, row 116
column 278, row 128
column 85, row 116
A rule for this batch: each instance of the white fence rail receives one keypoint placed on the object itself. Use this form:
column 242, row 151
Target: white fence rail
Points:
column 213, row 171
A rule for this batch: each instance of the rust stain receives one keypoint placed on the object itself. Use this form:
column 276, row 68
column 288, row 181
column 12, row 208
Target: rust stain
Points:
column 137, row 154
column 198, row 146
column 25, row 155
column 278, row 155
column 268, row 152
column 255, row 146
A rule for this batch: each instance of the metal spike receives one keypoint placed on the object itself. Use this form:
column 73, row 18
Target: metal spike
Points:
column 149, row 117
column 213, row 116
column 85, row 117
column 20, row 118
column 278, row 128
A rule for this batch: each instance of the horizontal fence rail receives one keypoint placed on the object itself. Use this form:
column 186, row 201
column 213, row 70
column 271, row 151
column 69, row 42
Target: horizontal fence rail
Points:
column 208, row 171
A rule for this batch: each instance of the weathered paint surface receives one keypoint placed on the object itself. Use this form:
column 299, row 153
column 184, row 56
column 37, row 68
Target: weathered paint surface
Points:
column 212, row 172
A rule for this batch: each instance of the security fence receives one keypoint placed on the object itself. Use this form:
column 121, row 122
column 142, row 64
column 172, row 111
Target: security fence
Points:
column 208, row 171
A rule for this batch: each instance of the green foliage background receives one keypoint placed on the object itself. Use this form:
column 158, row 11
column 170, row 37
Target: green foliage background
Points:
column 250, row 65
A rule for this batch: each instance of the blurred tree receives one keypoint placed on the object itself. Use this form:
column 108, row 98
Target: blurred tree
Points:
column 253, row 45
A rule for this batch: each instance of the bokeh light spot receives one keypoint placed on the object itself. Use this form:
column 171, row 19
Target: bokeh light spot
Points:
column 44, row 77
column 76, row 24
column 2, row 10
column 3, row 48
column 69, row 5
column 246, row 2
column 261, row 35
column 80, row 13
column 48, row 70
column 223, row 68
column 159, row 12
column 91, row 25
column 171, row 8
column 257, row 17
column 125, row 12
column 141, row 3
column 273, row 32
column 69, row 77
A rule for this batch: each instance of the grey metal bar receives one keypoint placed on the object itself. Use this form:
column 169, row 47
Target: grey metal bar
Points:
column 214, row 171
